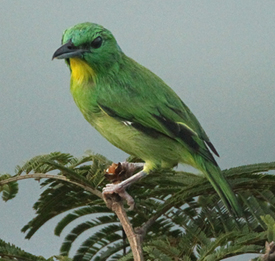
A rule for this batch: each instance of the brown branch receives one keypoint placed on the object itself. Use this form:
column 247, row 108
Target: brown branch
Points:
column 134, row 237
column 270, row 252
column 48, row 176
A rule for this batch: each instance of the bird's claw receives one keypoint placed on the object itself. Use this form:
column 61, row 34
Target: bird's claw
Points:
column 120, row 190
column 121, row 175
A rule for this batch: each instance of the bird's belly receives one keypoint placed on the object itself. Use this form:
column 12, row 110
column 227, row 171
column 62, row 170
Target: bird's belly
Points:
column 158, row 151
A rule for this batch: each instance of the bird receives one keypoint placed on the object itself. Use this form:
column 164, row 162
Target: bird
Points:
column 136, row 110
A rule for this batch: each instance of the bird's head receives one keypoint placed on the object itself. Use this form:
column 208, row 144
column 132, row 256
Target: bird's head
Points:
column 90, row 44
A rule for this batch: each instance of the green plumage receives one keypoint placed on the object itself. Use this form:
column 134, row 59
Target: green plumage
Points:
column 134, row 109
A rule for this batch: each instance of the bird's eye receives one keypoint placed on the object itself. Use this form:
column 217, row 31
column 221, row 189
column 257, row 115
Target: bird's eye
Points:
column 96, row 43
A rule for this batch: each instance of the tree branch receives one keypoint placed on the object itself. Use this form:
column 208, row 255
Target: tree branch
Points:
column 270, row 252
column 48, row 176
column 133, row 238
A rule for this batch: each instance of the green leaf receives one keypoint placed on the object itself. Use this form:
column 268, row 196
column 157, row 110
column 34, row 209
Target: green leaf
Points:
column 11, row 252
column 8, row 190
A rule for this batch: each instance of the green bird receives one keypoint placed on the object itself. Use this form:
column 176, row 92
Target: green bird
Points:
column 135, row 110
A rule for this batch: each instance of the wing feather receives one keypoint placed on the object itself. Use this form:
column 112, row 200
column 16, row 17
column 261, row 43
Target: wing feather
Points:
column 153, row 108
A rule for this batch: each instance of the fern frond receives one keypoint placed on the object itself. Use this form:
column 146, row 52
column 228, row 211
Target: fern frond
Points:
column 37, row 164
column 11, row 252
column 81, row 228
column 99, row 241
column 9, row 190
column 249, row 169
column 78, row 213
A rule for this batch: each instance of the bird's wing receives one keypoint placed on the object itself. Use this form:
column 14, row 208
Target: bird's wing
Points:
column 155, row 109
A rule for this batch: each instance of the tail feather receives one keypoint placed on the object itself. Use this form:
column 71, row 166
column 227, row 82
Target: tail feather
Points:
column 220, row 184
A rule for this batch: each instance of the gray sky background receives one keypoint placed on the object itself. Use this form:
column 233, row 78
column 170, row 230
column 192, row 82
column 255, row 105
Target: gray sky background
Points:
column 217, row 55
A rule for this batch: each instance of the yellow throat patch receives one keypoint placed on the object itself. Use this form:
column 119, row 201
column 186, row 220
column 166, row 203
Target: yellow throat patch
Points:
column 81, row 71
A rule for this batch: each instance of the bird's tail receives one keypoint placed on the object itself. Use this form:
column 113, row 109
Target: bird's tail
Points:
column 220, row 184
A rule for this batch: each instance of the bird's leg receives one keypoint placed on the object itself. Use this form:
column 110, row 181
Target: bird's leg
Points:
column 119, row 186
column 131, row 167
column 121, row 171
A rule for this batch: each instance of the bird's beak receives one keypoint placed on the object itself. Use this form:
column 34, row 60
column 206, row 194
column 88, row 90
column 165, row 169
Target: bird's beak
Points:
column 68, row 50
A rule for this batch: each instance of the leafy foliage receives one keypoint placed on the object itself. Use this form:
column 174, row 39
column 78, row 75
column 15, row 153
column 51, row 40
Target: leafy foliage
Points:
column 10, row 252
column 59, row 196
column 9, row 190
column 179, row 213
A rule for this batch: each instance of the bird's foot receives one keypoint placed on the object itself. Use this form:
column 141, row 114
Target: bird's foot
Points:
column 121, row 175
column 120, row 190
